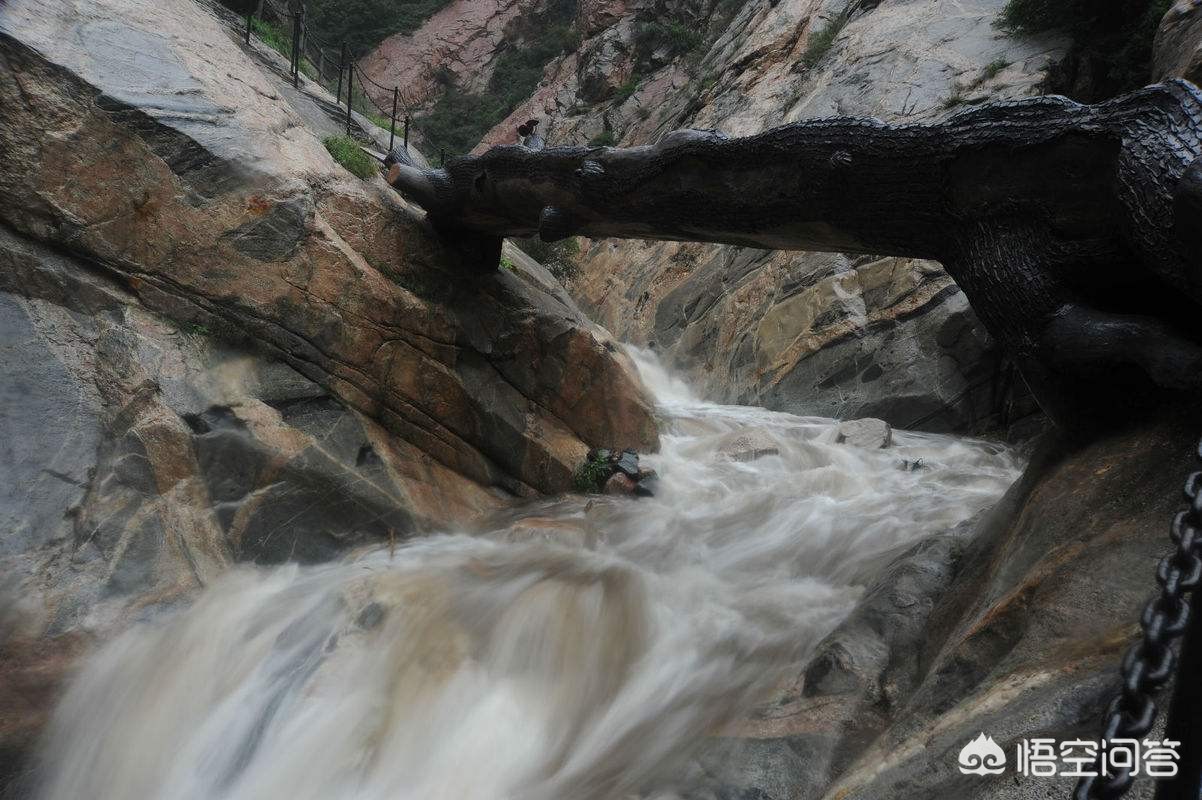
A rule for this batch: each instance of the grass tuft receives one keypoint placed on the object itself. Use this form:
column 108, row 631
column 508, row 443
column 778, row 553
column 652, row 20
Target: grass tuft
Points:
column 346, row 151
column 824, row 39
column 627, row 89
column 603, row 139
column 992, row 70
column 674, row 35
column 591, row 475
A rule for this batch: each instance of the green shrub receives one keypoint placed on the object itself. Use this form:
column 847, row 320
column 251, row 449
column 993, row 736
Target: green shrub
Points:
column 363, row 24
column 627, row 89
column 603, row 139
column 347, row 152
column 676, row 36
column 272, row 36
column 561, row 259
column 960, row 93
column 821, row 42
column 591, row 475
column 275, row 38
column 1112, row 41
column 458, row 119
column 992, row 70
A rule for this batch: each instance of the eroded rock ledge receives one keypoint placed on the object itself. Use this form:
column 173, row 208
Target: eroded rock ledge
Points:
column 192, row 184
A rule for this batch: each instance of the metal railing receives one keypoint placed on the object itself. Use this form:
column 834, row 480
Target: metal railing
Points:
column 333, row 68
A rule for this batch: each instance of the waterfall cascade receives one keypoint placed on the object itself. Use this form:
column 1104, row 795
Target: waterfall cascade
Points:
column 577, row 647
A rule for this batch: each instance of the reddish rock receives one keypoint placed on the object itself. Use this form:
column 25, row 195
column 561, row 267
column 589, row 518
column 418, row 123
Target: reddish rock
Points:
column 463, row 39
column 619, row 484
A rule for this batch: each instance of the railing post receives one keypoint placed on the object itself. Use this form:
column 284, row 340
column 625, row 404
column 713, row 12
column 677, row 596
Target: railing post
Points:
column 406, row 133
column 1182, row 723
column 250, row 15
column 442, row 156
column 341, row 69
column 296, row 54
column 350, row 82
column 392, row 126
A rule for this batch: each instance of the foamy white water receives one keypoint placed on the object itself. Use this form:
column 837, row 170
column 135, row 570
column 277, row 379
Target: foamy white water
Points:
column 578, row 649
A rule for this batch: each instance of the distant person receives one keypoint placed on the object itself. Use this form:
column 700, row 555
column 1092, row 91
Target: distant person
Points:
column 528, row 135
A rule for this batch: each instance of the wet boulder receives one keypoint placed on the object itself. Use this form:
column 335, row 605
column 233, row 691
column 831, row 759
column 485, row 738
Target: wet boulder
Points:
column 748, row 445
column 871, row 434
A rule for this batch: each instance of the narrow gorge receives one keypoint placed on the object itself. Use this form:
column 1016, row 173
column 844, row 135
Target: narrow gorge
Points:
column 305, row 487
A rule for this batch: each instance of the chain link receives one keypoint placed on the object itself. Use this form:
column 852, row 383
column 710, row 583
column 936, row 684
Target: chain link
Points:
column 1150, row 662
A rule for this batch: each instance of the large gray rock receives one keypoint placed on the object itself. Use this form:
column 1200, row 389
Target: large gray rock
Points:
column 216, row 345
column 748, row 445
column 871, row 434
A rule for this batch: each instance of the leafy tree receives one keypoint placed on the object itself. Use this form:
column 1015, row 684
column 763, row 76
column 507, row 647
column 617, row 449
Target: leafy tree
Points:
column 363, row 24
column 1112, row 41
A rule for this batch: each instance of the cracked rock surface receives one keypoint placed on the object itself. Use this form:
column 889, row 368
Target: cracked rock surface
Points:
column 219, row 346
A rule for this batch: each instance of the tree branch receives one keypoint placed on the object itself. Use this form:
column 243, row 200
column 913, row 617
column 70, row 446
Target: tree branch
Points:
column 1033, row 206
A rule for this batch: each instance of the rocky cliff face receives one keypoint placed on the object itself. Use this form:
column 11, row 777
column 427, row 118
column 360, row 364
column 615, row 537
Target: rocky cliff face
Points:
column 1178, row 47
column 813, row 333
column 460, row 43
column 218, row 345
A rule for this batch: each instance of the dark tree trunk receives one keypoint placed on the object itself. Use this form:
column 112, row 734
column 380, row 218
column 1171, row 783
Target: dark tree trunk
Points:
column 1073, row 230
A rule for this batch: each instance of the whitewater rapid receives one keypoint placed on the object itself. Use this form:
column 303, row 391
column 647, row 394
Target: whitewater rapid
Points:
column 578, row 648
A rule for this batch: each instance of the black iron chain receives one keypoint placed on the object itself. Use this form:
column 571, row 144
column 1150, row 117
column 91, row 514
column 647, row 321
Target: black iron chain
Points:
column 1150, row 662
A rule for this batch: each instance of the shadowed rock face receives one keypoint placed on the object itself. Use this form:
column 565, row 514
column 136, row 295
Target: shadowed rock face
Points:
column 1178, row 49
column 219, row 346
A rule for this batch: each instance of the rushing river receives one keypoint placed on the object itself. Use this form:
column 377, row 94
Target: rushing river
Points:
column 579, row 649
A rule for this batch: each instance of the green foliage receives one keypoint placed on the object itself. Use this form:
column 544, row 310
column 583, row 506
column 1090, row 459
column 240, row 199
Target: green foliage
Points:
column 346, row 151
column 676, row 36
column 603, row 139
column 458, row 119
column 507, row 263
column 272, row 36
column 992, row 70
column 1112, row 41
column 821, row 42
column 954, row 99
column 363, row 24
column 629, row 88
column 591, row 475
column 275, row 38
column 959, row 93
column 561, row 259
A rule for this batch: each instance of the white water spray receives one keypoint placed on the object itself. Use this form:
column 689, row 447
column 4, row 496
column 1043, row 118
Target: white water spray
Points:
column 579, row 648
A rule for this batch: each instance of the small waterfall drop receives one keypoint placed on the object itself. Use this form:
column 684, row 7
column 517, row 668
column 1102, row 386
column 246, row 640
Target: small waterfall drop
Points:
column 579, row 648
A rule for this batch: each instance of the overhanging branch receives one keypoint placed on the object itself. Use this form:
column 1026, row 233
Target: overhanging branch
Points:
column 1034, row 206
